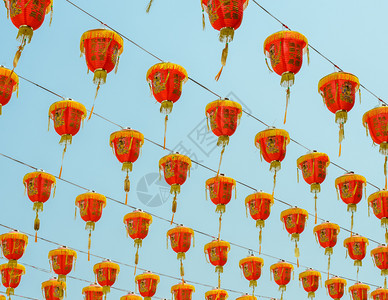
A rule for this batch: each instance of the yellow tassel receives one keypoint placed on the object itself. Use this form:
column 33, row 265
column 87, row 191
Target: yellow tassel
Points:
column 182, row 270
column 149, row 6
column 274, row 184
column 341, row 137
column 63, row 155
column 297, row 174
column 165, row 131
column 219, row 225
column 385, row 282
column 89, row 244
column 351, row 223
column 308, row 55
column 117, row 64
column 219, row 165
column 359, row 93
column 203, row 20
column 260, row 238
column 136, row 258
column 266, row 62
column 219, row 74
column 328, row 266
column 287, row 99
column 316, row 213
column 75, row 213
column 385, row 171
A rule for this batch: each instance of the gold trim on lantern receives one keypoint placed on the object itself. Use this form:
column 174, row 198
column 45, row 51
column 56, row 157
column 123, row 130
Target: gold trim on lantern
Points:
column 62, row 251
column 131, row 296
column 91, row 195
column 338, row 76
column 7, row 72
column 326, row 225
column 272, row 132
column 127, row 133
column 381, row 249
column 92, row 288
column 101, row 33
column 251, row 258
column 309, row 273
column 105, row 265
column 147, row 276
column 376, row 195
column 14, row 235
column 247, row 297
column 17, row 267
column 260, row 195
column 347, row 178
column 137, row 214
column 180, row 229
column 182, row 285
column 216, row 243
column 312, row 155
column 284, row 34
column 282, row 265
column 222, row 179
column 359, row 286
column 48, row 8
column 335, row 280
column 54, row 283
column 204, row 6
column 378, row 291
column 216, row 292
column 66, row 104
column 175, row 156
column 223, row 102
column 293, row 211
column 166, row 66
column 373, row 112
column 44, row 175
column 356, row 239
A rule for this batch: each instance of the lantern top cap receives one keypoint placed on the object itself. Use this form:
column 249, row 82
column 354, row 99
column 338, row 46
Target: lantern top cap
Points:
column 106, row 264
column 126, row 133
column 67, row 104
column 102, row 33
column 90, row 196
column 282, row 264
column 180, row 229
column 223, row 103
column 62, row 251
column 217, row 243
column 359, row 285
column 259, row 196
column 40, row 174
column 377, row 195
column 309, row 272
column 350, row 176
column 147, row 275
column 382, row 109
column 54, row 283
column 14, row 235
column 220, row 178
column 251, row 258
column 17, row 267
column 181, row 285
column 335, row 280
column 6, row 73
column 92, row 288
column 137, row 214
column 271, row 132
column 284, row 34
column 173, row 157
column 378, row 291
column 355, row 239
column 379, row 249
column 293, row 211
column 312, row 155
column 338, row 76
column 326, row 225
column 166, row 66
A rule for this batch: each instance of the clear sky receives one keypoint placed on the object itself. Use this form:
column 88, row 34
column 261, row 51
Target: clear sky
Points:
column 351, row 33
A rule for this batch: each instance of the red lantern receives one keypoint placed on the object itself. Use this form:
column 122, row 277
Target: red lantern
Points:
column 356, row 248
column 106, row 273
column 259, row 205
column 175, row 168
column 62, row 261
column 379, row 203
column 9, row 83
column 102, row 49
column 93, row 292
column 131, row 296
column 217, row 252
column 326, row 234
column 53, row 289
column 310, row 281
column 216, row 294
column 220, row 190
column 67, row 116
column 285, row 49
column 282, row 275
column 38, row 186
column 165, row 81
column 137, row 224
column 11, row 276
column 336, row 287
column 182, row 291
column 272, row 143
column 180, row 238
column 313, row 166
column 126, row 145
column 359, row 291
column 27, row 17
column 350, row 187
column 379, row 294
column 224, row 116
column 90, row 207
column 338, row 91
column 251, row 268
column 13, row 245
column 294, row 220
column 147, row 284
column 380, row 259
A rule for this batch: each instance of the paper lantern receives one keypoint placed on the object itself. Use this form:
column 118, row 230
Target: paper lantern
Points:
column 379, row 294
column 246, row 297
column 379, row 203
column 13, row 246
column 282, row 275
column 106, row 274
column 62, row 261
column 335, row 287
column 216, row 294
column 310, row 281
column 380, row 259
column 359, row 291
column 131, row 296
column 11, row 276
column 53, row 289
column 93, row 292
column 182, row 291
column 147, row 284
column 217, row 253
column 356, row 248
column 251, row 269
column 9, row 83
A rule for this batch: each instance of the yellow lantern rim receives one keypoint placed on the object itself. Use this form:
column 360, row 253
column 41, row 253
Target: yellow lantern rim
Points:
column 309, row 273
column 222, row 179
column 6, row 72
column 101, row 33
column 62, row 251
column 281, row 265
column 179, row 286
column 17, row 267
column 347, row 178
column 137, row 214
column 247, row 297
column 105, row 265
column 260, row 195
column 91, row 195
column 124, row 133
column 245, row 5
column 356, row 239
column 251, row 258
column 166, row 66
column 374, row 196
column 338, row 76
column 180, row 229
column 131, row 297
column 14, row 235
column 326, row 225
column 54, row 283
column 335, row 280
column 373, row 112
column 216, row 292
column 217, row 243
column 273, row 132
column 359, row 285
column 285, row 34
column 147, row 276
column 175, row 156
column 66, row 104
column 223, row 102
column 48, row 8
column 378, row 291
column 92, row 288
column 44, row 175
column 312, row 155
column 380, row 249
column 293, row 211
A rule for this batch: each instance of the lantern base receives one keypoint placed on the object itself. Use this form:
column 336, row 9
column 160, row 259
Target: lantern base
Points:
column 106, row 289
column 221, row 208
column 358, row 263
column 275, row 166
column 62, row 278
column 166, row 107
column 226, row 34
column 223, row 140
column 384, row 148
column 352, row 207
column 127, row 166
column 25, row 34
column 100, row 76
column 260, row 223
column 311, row 295
column 181, row 255
column 219, row 269
column 138, row 242
column 341, row 116
column 315, row 188
column 90, row 225
column 328, row 251
column 253, row 283
column 10, row 291
column 12, row 263
column 282, row 288
column 147, row 298
column 175, row 189
column 38, row 206
column 66, row 139
column 295, row 237
column 288, row 79
column 384, row 272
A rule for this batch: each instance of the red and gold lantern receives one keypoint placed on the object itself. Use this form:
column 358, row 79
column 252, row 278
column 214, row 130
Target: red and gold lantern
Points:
column 180, row 238
column 217, row 252
column 251, row 268
column 38, row 186
column 147, row 284
column 13, row 245
column 11, row 276
column 90, row 206
column 338, row 91
column 356, row 248
column 182, row 291
column 282, row 275
column 380, row 259
column 379, row 203
column 216, row 294
column 131, row 296
column 350, row 188
column 106, row 274
column 272, row 143
column 9, row 83
column 336, row 287
column 259, row 205
column 137, row 224
column 379, row 294
column 310, row 281
column 93, row 292
column 126, row 145
column 62, row 261
column 246, row 297
column 294, row 220
column 67, row 116
column 175, row 168
column 359, row 291
column 313, row 166
column 285, row 49
column 53, row 289
column 102, row 49
column 165, row 81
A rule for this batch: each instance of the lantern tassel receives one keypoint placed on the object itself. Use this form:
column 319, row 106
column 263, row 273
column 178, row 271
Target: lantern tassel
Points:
column 126, row 188
column 287, row 99
column 182, row 270
column 341, row 137
column 149, row 6
column 219, row 225
column 385, row 282
column 266, row 62
column 274, row 183
column 219, row 165
column 89, row 243
column 316, row 210
column 136, row 258
column 203, row 20
column 63, row 156
column 36, row 225
column 359, row 93
column 386, row 235
column 260, row 238
column 224, row 57
column 297, row 253
column 385, row 171
column 165, row 131
column 173, row 209
column 328, row 266
column 281, row 296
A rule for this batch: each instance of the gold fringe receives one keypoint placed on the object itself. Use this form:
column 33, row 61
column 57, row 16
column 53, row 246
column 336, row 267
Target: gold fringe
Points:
column 288, row 79
column 222, row 154
column 316, row 211
column 149, row 6
column 287, row 100
column 226, row 34
column 165, row 131
column 203, row 20
column 266, row 62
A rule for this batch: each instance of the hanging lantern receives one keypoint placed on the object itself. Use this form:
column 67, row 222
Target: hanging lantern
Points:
column 126, row 145
column 282, row 275
column 326, row 234
column 272, row 143
column 175, row 168
column 259, row 205
column 102, row 49
column 285, row 49
column 216, row 294
column 310, row 281
column 336, row 287
column 251, row 268
column 380, row 259
column 147, row 284
column 38, row 186
column 359, row 291
column 180, row 238
column 62, row 261
column 165, row 81
column 350, row 187
column 379, row 294
column 53, row 289
column 93, row 292
column 356, row 248
column 220, row 190
column 224, row 116
column 131, row 296
column 11, row 276
column 379, row 203
column 13, row 245
column 27, row 17
column 9, row 83
column 313, row 166
column 217, row 252
column 338, row 91
column 226, row 17
column 182, row 291
column 90, row 207
column 106, row 273
column 137, row 224
column 67, row 116
column 294, row 220
column 246, row 297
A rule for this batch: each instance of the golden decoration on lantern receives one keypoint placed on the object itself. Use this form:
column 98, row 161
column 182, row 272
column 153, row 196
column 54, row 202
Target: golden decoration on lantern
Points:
column 182, row 291
column 335, row 287
column 356, row 248
column 379, row 203
column 380, row 260
column 251, row 268
column 217, row 253
column 282, row 275
column 216, row 294
column 310, row 280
